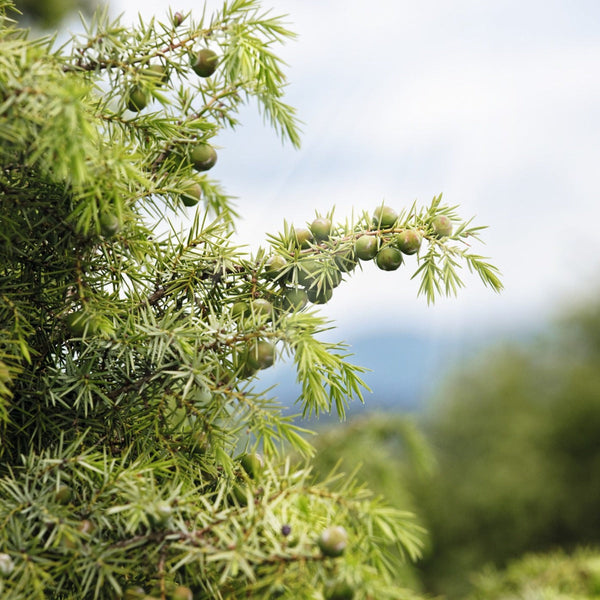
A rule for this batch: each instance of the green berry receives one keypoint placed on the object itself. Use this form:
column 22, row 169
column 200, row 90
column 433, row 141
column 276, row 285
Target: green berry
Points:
column 313, row 270
column 205, row 62
column 137, row 99
column 252, row 463
column 81, row 323
column 333, row 277
column 261, row 355
column 384, row 217
column 321, row 229
column 63, row 494
column 192, row 193
column 408, row 241
column 239, row 493
column 260, row 306
column 338, row 590
column 76, row 322
column 275, row 266
column 241, row 363
column 158, row 74
column 345, row 261
column 277, row 590
column 389, row 258
column 442, row 226
column 240, row 309
column 365, row 247
column 203, row 156
column 333, row 541
column 307, row 271
column 294, row 299
column 319, row 295
column 302, row 237
column 109, row 224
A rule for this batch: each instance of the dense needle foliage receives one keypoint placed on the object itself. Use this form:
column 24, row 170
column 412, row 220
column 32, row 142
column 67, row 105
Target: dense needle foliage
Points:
column 129, row 418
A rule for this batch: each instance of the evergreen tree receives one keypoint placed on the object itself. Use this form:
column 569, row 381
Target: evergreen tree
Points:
column 130, row 422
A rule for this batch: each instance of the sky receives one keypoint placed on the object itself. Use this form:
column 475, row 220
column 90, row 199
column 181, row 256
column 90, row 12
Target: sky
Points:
column 494, row 104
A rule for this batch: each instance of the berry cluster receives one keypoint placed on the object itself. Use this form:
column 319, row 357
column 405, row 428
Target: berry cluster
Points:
column 308, row 263
column 316, row 261
column 202, row 156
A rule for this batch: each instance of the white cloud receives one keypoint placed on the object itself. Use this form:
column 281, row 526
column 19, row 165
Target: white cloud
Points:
column 495, row 104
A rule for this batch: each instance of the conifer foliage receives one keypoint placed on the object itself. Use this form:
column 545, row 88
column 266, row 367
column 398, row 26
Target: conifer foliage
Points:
column 137, row 457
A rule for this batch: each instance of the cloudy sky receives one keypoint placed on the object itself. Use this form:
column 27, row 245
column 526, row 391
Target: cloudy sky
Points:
column 495, row 104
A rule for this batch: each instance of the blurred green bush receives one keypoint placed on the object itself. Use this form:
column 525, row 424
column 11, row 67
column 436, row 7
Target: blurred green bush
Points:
column 48, row 14
column 553, row 576
column 515, row 436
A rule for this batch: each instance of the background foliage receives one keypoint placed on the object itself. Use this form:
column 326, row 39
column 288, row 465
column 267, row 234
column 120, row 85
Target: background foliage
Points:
column 552, row 576
column 513, row 435
column 46, row 14
column 516, row 438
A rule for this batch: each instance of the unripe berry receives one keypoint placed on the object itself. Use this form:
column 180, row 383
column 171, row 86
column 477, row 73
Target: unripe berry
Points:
column 76, row 322
column 302, row 237
column 333, row 541
column 442, row 226
column 307, row 271
column 239, row 492
column 261, row 355
column 334, row 277
column 260, row 306
column 408, row 241
column 205, row 62
column 109, row 224
column 158, row 74
column 162, row 512
column 275, row 265
column 345, row 261
column 86, row 526
column 389, row 258
column 191, row 193
column 338, row 590
column 252, row 463
column 319, row 295
column 80, row 323
column 240, row 309
column 365, row 247
column 294, row 299
column 384, row 217
column 137, row 99
column 321, row 229
column 203, row 156
column 134, row 593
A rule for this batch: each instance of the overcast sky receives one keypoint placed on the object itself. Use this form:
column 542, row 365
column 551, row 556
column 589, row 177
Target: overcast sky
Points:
column 495, row 104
